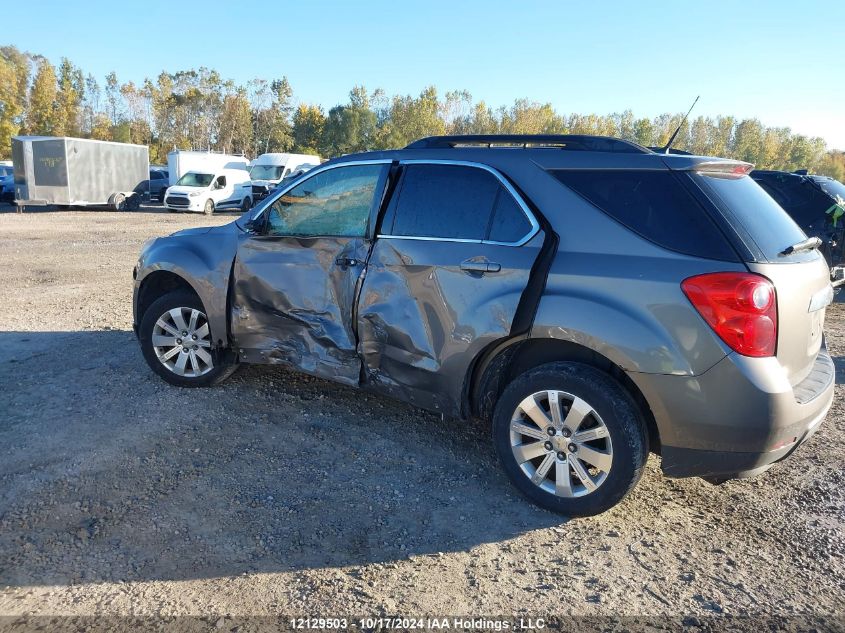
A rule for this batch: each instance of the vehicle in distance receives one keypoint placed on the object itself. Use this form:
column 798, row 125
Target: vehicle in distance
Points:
column 817, row 204
column 208, row 191
column 591, row 299
column 269, row 170
column 7, row 182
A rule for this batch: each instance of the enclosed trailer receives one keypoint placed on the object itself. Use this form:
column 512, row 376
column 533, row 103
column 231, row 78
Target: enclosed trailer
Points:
column 180, row 162
column 79, row 172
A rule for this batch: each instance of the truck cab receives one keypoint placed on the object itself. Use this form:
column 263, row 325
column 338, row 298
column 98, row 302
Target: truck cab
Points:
column 268, row 170
column 207, row 191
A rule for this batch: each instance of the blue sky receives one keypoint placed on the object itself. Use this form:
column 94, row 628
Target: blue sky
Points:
column 782, row 62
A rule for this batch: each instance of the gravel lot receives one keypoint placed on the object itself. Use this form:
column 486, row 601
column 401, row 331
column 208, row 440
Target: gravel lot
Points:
column 282, row 494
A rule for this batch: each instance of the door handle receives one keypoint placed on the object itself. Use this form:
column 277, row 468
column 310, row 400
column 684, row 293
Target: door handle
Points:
column 480, row 267
column 344, row 262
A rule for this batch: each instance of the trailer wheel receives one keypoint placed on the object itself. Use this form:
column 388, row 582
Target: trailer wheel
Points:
column 117, row 201
column 208, row 209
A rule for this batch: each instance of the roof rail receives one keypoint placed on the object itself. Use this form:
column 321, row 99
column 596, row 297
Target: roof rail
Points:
column 580, row 142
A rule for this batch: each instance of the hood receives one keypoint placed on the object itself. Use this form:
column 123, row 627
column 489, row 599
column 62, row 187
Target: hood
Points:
column 183, row 190
column 230, row 227
column 199, row 230
column 265, row 183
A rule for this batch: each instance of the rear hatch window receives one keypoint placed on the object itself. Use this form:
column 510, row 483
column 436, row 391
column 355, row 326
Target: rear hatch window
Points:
column 754, row 214
column 654, row 204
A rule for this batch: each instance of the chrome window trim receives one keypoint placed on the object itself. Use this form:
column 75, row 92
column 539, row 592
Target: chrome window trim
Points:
column 535, row 226
column 314, row 172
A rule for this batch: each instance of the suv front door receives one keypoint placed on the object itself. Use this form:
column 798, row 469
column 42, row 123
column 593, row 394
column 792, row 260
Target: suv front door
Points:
column 295, row 279
column 444, row 280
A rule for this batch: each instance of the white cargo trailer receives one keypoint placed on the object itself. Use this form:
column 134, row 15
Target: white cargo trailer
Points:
column 180, row 162
column 78, row 172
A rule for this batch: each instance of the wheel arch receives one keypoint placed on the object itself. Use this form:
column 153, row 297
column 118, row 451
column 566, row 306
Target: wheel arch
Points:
column 157, row 284
column 502, row 362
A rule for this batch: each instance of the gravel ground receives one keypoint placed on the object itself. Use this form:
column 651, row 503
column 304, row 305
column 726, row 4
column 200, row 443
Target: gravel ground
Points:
column 282, row 494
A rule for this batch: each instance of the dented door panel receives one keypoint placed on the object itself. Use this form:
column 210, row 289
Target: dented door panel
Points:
column 422, row 319
column 292, row 303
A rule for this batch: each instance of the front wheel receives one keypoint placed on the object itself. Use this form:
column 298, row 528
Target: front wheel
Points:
column 246, row 205
column 570, row 438
column 177, row 344
column 208, row 209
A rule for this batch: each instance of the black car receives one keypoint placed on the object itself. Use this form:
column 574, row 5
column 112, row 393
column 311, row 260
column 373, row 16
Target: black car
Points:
column 816, row 204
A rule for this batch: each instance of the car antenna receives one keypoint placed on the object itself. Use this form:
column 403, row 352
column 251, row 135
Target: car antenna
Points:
column 665, row 149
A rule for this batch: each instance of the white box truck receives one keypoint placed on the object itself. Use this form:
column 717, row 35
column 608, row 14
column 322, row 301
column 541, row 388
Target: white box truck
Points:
column 67, row 171
column 268, row 170
column 180, row 162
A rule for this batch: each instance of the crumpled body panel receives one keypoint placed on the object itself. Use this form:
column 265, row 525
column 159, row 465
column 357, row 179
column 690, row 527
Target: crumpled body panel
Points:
column 292, row 304
column 422, row 320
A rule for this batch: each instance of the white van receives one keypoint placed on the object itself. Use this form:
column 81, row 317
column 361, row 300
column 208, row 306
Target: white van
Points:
column 268, row 170
column 209, row 190
column 180, row 162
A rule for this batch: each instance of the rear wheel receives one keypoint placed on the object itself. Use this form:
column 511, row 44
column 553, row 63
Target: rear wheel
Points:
column 570, row 438
column 177, row 344
column 208, row 209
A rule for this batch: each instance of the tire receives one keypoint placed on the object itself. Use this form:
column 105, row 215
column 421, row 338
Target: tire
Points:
column 612, row 434
column 161, row 195
column 208, row 209
column 118, row 202
column 246, row 205
column 200, row 369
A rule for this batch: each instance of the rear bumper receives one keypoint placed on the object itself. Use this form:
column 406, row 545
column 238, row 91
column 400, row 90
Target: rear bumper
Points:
column 738, row 418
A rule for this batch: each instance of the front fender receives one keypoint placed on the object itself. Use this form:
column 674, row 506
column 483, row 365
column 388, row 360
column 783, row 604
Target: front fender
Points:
column 204, row 261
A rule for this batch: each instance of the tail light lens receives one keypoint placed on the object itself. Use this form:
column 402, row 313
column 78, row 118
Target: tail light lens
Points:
column 740, row 307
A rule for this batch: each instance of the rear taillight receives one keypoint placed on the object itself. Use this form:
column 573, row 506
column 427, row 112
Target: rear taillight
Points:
column 740, row 307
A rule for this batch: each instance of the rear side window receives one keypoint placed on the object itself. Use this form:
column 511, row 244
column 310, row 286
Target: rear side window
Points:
column 455, row 202
column 655, row 205
column 445, row 201
column 762, row 219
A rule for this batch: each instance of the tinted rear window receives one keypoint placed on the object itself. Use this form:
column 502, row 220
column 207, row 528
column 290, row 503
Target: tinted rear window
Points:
column 654, row 204
column 508, row 223
column 455, row 202
column 762, row 219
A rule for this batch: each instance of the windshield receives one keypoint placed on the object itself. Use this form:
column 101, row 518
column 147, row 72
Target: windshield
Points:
column 266, row 172
column 831, row 187
column 5, row 170
column 193, row 179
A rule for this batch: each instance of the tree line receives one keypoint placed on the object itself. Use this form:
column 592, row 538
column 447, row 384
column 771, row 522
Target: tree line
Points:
column 199, row 109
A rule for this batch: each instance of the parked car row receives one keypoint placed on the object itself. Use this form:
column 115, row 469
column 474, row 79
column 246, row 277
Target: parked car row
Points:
column 590, row 299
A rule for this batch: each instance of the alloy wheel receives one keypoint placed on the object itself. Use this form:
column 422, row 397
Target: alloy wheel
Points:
column 561, row 443
column 182, row 342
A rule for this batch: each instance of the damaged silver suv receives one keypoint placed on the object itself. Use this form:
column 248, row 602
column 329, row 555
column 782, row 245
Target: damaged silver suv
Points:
column 591, row 299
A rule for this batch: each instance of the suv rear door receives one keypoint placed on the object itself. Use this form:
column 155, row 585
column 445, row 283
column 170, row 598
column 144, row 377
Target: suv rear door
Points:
column 444, row 280
column 295, row 279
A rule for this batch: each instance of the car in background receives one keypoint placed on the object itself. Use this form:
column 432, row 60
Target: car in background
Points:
column 209, row 191
column 589, row 299
column 7, row 182
column 269, row 170
column 159, row 181
column 817, row 204
column 156, row 186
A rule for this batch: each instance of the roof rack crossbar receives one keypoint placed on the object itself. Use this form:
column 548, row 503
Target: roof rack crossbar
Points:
column 580, row 142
